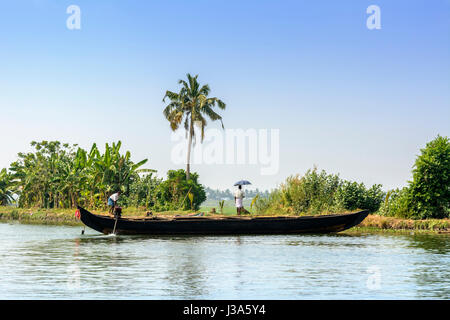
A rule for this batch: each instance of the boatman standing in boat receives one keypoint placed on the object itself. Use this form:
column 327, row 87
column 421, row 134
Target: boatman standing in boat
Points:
column 238, row 197
column 112, row 201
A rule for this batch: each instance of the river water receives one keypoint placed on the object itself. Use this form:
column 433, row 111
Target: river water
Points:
column 57, row 262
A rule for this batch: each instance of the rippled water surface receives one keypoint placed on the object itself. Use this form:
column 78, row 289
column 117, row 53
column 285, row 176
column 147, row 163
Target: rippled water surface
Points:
column 55, row 262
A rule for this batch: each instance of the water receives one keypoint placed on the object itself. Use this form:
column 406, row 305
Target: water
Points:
column 57, row 262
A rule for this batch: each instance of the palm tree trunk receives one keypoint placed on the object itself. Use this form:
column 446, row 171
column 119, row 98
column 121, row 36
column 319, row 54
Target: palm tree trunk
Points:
column 188, row 168
column 74, row 200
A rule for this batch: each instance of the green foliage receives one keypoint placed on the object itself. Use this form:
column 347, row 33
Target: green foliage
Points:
column 172, row 194
column 430, row 187
column 7, row 188
column 254, row 201
column 191, row 198
column 428, row 194
column 396, row 204
column 58, row 175
column 270, row 204
column 143, row 192
column 353, row 195
column 312, row 193
column 221, row 204
column 191, row 106
column 317, row 192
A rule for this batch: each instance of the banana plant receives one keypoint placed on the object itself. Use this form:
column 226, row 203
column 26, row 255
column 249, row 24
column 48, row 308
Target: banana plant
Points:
column 6, row 188
column 221, row 204
column 60, row 175
column 254, row 201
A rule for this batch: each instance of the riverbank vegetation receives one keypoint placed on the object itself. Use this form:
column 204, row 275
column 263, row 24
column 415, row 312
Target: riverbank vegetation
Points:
column 58, row 176
column 317, row 193
column 7, row 189
column 427, row 196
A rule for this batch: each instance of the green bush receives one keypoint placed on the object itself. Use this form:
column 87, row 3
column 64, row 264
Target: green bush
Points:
column 428, row 194
column 173, row 193
column 269, row 204
column 430, row 187
column 59, row 175
column 311, row 193
column 143, row 192
column 316, row 192
column 397, row 204
column 353, row 195
column 14, row 215
column 7, row 188
column 350, row 195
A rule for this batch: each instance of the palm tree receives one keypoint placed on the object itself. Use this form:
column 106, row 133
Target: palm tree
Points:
column 190, row 106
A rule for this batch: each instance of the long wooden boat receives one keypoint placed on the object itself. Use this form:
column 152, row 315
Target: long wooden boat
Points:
column 224, row 225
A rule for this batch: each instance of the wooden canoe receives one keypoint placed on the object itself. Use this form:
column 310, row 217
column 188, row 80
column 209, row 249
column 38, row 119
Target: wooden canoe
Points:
column 223, row 226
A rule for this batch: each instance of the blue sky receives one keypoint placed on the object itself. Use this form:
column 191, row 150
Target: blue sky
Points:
column 347, row 99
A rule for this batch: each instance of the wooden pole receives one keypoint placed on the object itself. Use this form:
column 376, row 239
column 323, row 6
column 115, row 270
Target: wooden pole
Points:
column 115, row 223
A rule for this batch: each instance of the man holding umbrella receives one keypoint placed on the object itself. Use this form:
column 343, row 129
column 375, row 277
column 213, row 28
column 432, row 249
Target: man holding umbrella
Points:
column 239, row 196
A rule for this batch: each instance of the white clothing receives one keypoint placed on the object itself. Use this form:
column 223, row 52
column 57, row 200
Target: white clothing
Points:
column 114, row 197
column 239, row 195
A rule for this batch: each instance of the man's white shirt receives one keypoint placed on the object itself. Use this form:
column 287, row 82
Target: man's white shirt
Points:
column 114, row 197
column 239, row 194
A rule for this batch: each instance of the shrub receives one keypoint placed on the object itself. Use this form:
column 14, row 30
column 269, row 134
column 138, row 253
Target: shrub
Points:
column 6, row 188
column 397, row 204
column 143, row 192
column 316, row 192
column 430, row 187
column 14, row 215
column 311, row 193
column 353, row 195
column 269, row 204
column 172, row 194
column 221, row 204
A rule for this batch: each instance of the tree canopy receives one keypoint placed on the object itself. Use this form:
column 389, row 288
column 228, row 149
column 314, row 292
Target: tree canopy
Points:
column 191, row 106
column 57, row 175
column 430, row 187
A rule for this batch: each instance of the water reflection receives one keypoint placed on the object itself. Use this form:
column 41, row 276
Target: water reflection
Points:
column 185, row 272
column 432, row 281
column 434, row 244
column 433, row 270
column 59, row 263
